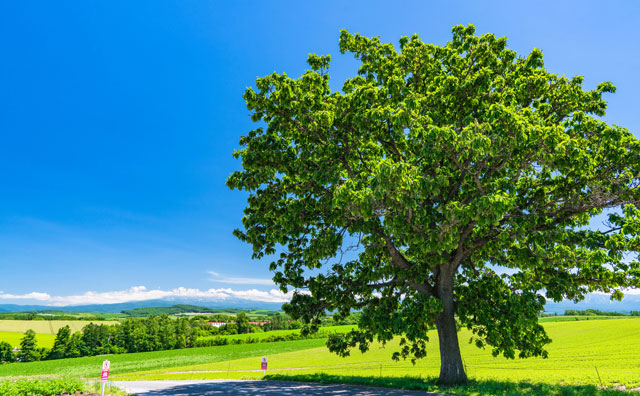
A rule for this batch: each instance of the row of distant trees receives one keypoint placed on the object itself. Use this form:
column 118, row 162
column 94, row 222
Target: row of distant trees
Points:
column 153, row 333
column 133, row 335
column 48, row 317
column 596, row 312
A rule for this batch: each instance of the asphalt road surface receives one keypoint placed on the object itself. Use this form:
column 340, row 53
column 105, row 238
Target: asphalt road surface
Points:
column 255, row 388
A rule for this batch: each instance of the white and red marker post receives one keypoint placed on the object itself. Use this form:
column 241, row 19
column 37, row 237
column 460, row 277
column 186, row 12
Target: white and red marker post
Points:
column 263, row 365
column 105, row 374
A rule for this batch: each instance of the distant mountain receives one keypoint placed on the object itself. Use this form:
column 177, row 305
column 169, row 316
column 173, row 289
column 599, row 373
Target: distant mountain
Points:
column 602, row 302
column 115, row 308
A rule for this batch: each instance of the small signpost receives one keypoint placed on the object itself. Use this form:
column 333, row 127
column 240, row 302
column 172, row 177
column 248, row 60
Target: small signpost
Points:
column 264, row 365
column 105, row 375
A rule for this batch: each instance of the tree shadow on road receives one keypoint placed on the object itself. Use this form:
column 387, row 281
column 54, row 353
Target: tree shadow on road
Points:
column 278, row 388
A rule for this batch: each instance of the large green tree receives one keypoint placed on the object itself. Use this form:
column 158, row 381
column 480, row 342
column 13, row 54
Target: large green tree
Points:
column 441, row 182
column 61, row 344
column 29, row 347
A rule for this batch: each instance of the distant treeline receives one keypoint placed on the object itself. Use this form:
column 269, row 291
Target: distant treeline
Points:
column 217, row 341
column 47, row 316
column 596, row 312
column 175, row 309
column 186, row 308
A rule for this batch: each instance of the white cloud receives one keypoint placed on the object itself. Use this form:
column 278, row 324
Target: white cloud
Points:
column 28, row 296
column 216, row 277
column 140, row 293
column 631, row 291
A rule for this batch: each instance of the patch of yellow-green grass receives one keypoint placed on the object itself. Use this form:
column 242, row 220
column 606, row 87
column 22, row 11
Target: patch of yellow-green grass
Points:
column 44, row 340
column 578, row 347
column 45, row 326
column 576, row 318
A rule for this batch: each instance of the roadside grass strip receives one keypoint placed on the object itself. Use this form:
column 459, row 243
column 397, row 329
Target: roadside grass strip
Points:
column 603, row 353
column 473, row 388
column 13, row 338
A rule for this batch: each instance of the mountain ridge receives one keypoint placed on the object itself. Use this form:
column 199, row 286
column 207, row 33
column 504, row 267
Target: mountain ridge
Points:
column 119, row 307
column 601, row 302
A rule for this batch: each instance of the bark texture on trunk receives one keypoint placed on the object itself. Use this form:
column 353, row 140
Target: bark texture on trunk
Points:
column 451, row 367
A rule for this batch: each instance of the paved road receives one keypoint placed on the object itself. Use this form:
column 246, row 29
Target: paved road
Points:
column 256, row 388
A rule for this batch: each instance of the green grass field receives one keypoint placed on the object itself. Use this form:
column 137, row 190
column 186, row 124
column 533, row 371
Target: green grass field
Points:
column 44, row 340
column 89, row 367
column 45, row 326
column 578, row 347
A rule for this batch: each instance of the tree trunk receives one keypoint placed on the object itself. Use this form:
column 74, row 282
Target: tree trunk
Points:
column 451, row 367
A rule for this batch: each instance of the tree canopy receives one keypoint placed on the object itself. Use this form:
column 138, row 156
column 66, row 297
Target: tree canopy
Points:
column 441, row 182
column 28, row 347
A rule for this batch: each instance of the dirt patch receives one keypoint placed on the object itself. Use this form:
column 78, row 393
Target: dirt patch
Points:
column 83, row 394
column 80, row 394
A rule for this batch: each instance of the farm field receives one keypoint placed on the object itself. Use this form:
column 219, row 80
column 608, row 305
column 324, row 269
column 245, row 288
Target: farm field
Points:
column 13, row 338
column 45, row 326
column 578, row 347
column 89, row 367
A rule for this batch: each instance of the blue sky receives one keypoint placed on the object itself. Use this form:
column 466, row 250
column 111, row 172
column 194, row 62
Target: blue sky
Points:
column 118, row 120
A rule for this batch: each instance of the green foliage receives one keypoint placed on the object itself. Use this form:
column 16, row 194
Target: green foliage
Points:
column 433, row 167
column 242, row 322
column 41, row 387
column 6, row 353
column 28, row 347
column 61, row 344
column 278, row 322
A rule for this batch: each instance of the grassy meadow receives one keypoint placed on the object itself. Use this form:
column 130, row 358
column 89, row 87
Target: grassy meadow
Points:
column 13, row 338
column 89, row 367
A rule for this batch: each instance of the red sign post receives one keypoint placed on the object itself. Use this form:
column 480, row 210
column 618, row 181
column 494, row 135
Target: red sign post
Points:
column 264, row 364
column 105, row 371
column 105, row 374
